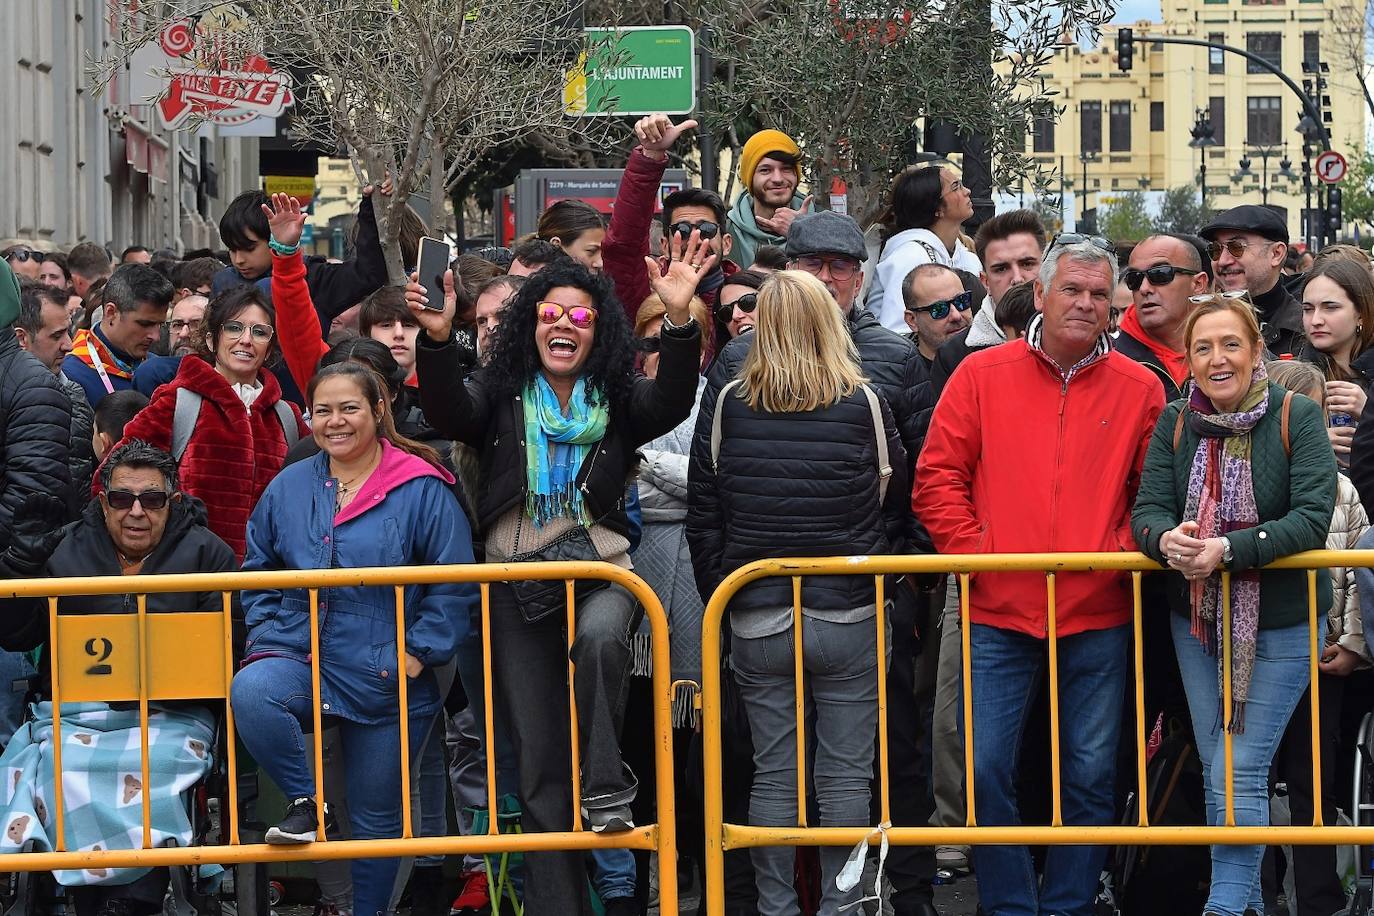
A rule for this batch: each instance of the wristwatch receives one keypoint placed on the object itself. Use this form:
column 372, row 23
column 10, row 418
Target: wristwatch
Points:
column 1226, row 555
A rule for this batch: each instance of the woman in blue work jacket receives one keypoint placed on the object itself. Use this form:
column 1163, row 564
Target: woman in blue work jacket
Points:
column 370, row 498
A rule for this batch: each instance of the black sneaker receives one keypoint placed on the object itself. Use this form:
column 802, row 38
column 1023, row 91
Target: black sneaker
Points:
column 299, row 825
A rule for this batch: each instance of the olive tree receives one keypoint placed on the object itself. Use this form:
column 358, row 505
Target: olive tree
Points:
column 856, row 83
column 420, row 91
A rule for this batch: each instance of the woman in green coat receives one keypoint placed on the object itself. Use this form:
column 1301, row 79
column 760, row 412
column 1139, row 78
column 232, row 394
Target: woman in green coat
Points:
column 1237, row 475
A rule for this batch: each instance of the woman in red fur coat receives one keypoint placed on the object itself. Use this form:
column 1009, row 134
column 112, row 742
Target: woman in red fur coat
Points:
column 239, row 440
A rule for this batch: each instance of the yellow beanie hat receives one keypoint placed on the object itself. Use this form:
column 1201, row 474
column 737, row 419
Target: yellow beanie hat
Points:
column 759, row 146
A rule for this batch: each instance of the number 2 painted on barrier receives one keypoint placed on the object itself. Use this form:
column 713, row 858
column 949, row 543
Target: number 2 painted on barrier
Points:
column 99, row 654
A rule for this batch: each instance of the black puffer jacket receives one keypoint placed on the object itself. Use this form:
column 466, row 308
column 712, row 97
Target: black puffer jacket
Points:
column 187, row 546
column 890, row 362
column 795, row 485
column 496, row 429
column 36, row 419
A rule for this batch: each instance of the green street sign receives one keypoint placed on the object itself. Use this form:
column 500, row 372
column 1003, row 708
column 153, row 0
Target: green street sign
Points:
column 636, row 70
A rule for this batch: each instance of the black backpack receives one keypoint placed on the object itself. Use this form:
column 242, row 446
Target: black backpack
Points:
column 1150, row 880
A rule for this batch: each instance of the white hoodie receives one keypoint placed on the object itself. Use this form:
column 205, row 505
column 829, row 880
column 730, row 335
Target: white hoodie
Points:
column 903, row 253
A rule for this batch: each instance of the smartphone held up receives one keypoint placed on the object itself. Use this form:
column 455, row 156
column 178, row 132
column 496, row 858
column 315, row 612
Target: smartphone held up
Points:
column 435, row 255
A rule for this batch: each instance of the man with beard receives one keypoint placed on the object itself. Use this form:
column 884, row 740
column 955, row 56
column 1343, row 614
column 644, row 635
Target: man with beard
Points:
column 1247, row 246
column 770, row 170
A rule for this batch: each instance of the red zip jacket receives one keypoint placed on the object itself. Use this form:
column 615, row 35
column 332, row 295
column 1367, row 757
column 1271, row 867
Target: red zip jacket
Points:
column 299, row 333
column 1019, row 461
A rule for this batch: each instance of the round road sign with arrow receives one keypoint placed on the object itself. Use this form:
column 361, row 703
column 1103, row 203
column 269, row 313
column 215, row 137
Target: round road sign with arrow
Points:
column 1331, row 166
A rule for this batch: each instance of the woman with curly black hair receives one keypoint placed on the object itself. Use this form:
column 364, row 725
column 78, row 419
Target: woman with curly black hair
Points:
column 556, row 416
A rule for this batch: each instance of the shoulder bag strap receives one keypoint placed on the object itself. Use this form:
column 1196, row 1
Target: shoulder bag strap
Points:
column 884, row 462
column 184, row 420
column 1178, row 427
column 1283, row 423
column 288, row 423
column 715, row 424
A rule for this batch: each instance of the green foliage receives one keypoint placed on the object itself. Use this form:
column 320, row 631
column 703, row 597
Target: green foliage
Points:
column 1357, row 191
column 1125, row 219
column 856, row 84
column 1181, row 211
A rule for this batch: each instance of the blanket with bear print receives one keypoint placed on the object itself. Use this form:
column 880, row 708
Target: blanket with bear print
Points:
column 102, row 781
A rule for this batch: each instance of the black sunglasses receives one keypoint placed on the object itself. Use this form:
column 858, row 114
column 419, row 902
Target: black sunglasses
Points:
column 746, row 303
column 648, row 345
column 1075, row 238
column 1159, row 275
column 706, row 228
column 24, row 254
column 940, row 307
column 150, row 500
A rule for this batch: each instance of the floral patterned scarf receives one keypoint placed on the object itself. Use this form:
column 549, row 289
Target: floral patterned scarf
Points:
column 1221, row 497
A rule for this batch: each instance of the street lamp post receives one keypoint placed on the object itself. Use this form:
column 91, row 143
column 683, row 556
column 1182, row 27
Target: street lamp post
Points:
column 1265, row 152
column 1203, row 137
column 1084, row 157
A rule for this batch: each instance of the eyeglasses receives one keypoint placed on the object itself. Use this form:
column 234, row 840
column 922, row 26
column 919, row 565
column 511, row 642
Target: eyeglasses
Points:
column 235, row 330
column 1159, row 275
column 706, row 229
column 1234, row 247
column 24, row 254
column 746, row 304
column 580, row 316
column 840, row 268
column 940, row 307
column 150, row 500
column 1075, row 238
column 1212, row 297
column 648, row 345
column 181, row 324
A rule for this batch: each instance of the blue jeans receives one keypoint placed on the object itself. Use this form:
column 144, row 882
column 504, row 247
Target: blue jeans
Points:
column 14, row 670
column 841, row 687
column 1280, row 678
column 271, row 699
column 1006, row 668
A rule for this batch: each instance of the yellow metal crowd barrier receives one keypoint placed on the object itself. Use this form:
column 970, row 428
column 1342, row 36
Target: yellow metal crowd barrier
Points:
column 147, row 657
column 721, row 836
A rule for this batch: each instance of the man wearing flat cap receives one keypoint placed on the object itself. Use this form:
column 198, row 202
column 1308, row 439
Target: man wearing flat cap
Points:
column 1247, row 245
column 831, row 247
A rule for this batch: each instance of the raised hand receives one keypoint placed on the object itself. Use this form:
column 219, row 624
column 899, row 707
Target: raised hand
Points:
column 676, row 281
column 386, row 188
column 781, row 220
column 438, row 324
column 657, row 134
column 286, row 219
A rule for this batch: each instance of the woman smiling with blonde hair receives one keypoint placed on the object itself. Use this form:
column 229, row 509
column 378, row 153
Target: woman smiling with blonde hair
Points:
column 804, row 460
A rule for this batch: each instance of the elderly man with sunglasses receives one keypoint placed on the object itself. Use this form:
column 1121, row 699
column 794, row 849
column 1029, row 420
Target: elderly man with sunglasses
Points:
column 1165, row 272
column 1248, row 245
column 937, row 307
column 1037, row 445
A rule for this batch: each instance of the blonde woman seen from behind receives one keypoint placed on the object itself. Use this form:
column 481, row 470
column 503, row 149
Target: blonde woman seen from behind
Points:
column 805, row 461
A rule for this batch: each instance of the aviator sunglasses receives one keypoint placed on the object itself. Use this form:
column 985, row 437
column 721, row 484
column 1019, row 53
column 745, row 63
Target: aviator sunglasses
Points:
column 579, row 316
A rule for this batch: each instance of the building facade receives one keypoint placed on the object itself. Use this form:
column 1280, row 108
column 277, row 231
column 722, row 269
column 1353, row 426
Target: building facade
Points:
column 1116, row 131
column 77, row 166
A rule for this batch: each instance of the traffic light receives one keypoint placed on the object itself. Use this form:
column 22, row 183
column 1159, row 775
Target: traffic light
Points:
column 1333, row 211
column 1125, row 49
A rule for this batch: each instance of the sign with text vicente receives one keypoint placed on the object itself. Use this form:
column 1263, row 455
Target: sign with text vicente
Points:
column 634, row 71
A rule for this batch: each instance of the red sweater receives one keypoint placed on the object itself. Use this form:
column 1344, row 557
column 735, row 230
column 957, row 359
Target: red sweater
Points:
column 1017, row 461
column 233, row 453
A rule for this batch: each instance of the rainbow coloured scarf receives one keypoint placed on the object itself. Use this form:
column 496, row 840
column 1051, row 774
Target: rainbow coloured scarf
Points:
column 555, row 447
column 88, row 342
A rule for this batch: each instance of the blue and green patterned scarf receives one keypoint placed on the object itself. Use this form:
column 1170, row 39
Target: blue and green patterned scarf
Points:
column 555, row 447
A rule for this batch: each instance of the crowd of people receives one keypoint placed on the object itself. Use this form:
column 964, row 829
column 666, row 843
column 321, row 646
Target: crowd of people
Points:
column 680, row 389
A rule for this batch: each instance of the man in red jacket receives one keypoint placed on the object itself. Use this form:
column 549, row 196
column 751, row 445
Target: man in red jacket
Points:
column 1062, row 410
column 627, row 238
